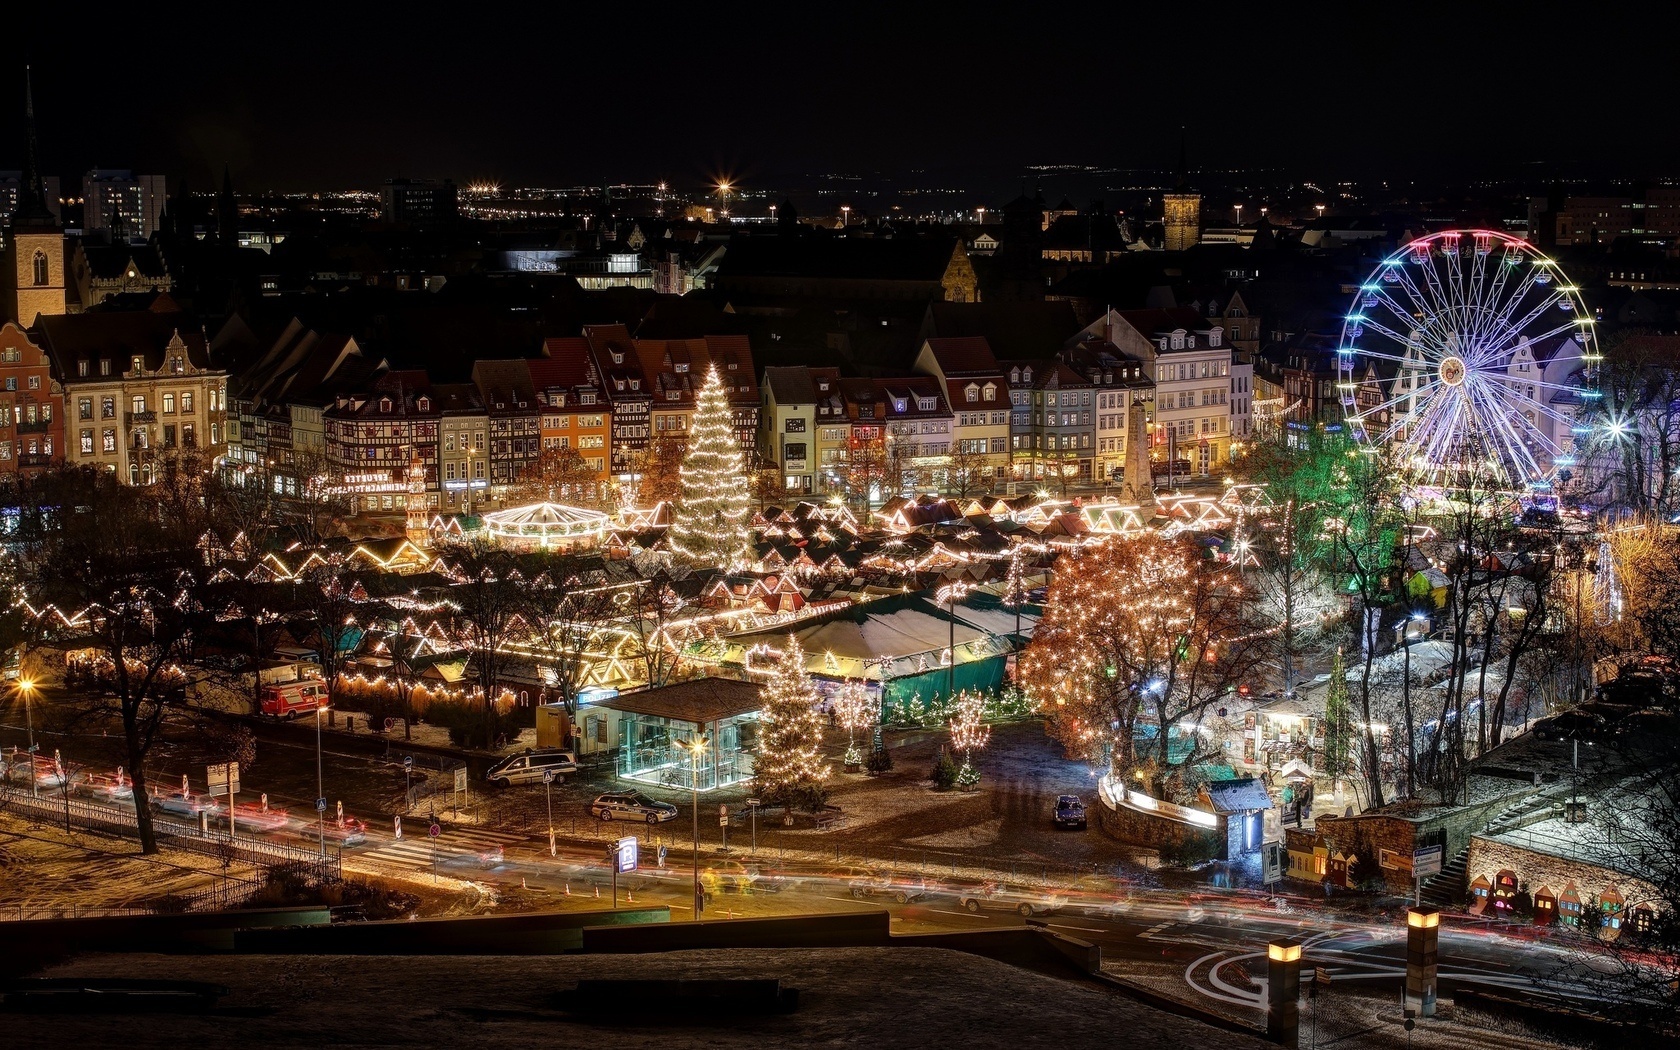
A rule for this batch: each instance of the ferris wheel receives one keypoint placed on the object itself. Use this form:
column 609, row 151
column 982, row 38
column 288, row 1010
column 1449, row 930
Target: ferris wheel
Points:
column 1469, row 351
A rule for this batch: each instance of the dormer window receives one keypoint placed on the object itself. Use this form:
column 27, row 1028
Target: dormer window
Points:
column 424, row 404
column 989, row 392
column 1214, row 336
column 618, row 358
column 898, row 404
column 1163, row 342
column 673, row 395
column 1026, row 375
column 384, row 404
column 177, row 365
column 972, row 393
column 1014, row 375
column 635, row 384
column 81, row 368
column 927, row 404
column 619, row 383
column 1177, row 340
column 731, row 366
column 681, row 367
column 587, row 398
column 138, row 363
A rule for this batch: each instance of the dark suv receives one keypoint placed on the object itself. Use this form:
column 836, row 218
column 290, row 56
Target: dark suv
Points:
column 1570, row 725
column 1070, row 812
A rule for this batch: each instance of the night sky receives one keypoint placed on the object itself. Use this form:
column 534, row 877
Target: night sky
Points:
column 770, row 94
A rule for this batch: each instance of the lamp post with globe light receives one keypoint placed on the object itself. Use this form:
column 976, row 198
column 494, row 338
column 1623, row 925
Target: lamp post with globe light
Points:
column 696, row 747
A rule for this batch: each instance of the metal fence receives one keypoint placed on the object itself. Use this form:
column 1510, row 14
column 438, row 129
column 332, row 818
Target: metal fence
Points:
column 80, row 814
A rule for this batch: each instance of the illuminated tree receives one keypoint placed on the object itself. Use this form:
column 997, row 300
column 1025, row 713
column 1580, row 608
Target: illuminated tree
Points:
column 854, row 711
column 715, row 508
column 1137, row 630
column 969, row 733
column 789, row 766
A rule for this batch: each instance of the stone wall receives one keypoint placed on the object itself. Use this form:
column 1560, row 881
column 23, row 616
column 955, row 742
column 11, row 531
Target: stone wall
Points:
column 1365, row 836
column 1169, row 837
column 1536, row 869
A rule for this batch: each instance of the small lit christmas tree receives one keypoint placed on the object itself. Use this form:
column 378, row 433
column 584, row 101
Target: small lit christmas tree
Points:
column 854, row 709
column 789, row 767
column 715, row 508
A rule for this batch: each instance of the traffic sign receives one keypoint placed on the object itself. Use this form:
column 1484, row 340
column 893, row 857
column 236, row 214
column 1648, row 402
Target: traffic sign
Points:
column 223, row 778
column 434, row 831
column 1427, row 861
column 752, row 801
column 624, row 855
column 408, row 761
column 548, row 776
column 1272, row 862
column 723, row 816
column 461, row 779
column 320, row 805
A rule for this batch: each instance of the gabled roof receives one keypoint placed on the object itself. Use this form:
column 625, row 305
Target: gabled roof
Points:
column 506, row 387
column 791, row 385
column 118, row 336
column 963, row 355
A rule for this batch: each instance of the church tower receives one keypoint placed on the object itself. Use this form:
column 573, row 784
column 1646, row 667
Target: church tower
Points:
column 1181, row 212
column 34, row 268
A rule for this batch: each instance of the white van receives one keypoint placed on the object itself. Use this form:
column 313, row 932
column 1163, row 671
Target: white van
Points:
column 528, row 767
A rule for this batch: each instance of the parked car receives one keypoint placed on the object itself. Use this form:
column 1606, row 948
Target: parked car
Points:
column 107, row 788
column 529, row 765
column 1570, row 725
column 631, row 805
column 732, row 876
column 1070, row 812
column 1026, row 900
column 351, row 832
column 48, row 777
column 900, row 889
column 253, row 817
column 179, row 805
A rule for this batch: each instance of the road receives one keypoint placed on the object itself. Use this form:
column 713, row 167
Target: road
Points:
column 1215, row 944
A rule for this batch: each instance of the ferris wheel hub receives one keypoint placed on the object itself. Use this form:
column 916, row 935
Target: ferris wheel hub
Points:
column 1452, row 371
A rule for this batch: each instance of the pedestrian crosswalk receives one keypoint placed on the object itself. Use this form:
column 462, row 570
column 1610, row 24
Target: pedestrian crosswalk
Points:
column 457, row 847
column 1153, row 930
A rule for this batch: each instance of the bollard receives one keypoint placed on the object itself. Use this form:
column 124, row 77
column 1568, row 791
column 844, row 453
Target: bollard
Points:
column 597, row 893
column 1423, row 936
column 1283, row 992
column 568, row 889
column 630, row 895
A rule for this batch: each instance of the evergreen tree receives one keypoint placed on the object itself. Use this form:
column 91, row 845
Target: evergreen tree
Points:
column 715, row 508
column 789, row 766
column 1338, row 719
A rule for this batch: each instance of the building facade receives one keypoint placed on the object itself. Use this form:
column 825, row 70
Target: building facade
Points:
column 126, row 206
column 373, row 437
column 978, row 397
column 31, row 407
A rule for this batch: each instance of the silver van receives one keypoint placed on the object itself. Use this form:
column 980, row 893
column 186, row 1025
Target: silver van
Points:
column 528, row 767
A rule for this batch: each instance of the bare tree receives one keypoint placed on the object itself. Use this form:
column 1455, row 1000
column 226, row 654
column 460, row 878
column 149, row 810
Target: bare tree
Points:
column 568, row 605
column 488, row 594
column 967, row 470
column 560, row 475
column 127, row 561
column 653, row 615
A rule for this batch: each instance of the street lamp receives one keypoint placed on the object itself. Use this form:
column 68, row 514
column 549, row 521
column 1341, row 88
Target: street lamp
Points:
column 696, row 746
column 948, row 596
column 25, row 687
column 320, row 788
column 845, row 214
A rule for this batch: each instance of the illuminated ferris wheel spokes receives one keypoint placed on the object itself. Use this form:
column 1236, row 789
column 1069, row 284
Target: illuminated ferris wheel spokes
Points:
column 1468, row 350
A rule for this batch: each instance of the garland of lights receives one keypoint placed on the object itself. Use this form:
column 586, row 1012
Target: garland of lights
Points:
column 713, row 515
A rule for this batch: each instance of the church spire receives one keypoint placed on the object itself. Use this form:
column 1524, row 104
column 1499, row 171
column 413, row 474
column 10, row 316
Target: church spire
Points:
column 1183, row 167
column 32, row 209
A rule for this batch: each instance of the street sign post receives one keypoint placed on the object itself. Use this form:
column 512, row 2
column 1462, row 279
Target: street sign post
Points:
column 548, row 792
column 408, row 773
column 225, row 777
column 752, row 808
column 623, row 861
column 320, row 805
column 1272, row 862
column 460, row 787
column 1425, row 863
column 723, row 822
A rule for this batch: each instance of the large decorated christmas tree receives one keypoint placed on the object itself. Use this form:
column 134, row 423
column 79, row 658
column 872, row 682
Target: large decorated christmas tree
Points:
column 710, row 523
column 789, row 766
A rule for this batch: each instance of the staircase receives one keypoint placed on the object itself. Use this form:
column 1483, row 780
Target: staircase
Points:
column 1449, row 888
